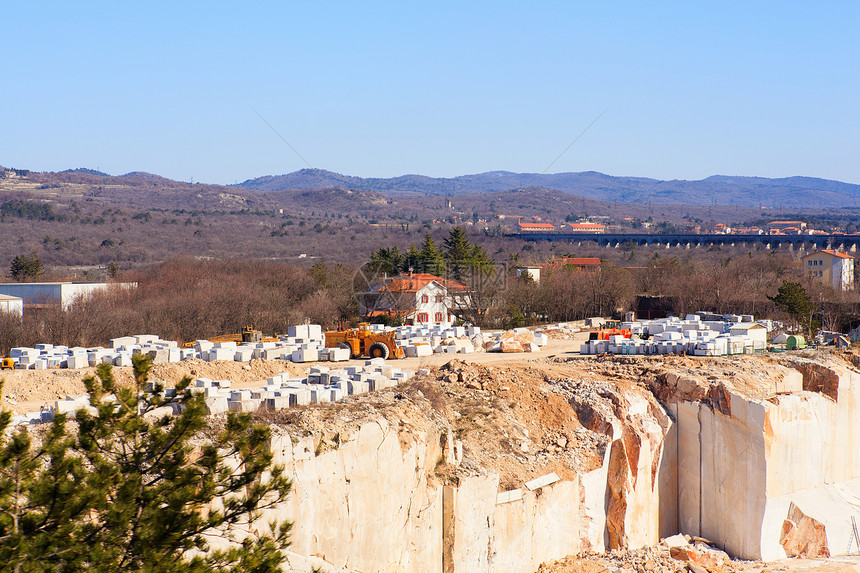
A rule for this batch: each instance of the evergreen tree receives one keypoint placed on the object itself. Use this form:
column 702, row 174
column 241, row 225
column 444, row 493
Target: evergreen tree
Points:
column 481, row 261
column 458, row 253
column 464, row 259
column 26, row 266
column 386, row 260
column 412, row 259
column 132, row 489
column 432, row 261
column 794, row 300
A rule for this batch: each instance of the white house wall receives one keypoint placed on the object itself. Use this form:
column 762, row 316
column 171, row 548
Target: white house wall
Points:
column 431, row 307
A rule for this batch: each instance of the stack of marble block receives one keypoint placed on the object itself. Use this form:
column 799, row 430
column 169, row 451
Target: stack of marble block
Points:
column 44, row 356
column 321, row 385
column 426, row 340
column 303, row 343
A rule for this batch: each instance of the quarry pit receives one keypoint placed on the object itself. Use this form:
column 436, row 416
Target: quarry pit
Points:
column 555, row 461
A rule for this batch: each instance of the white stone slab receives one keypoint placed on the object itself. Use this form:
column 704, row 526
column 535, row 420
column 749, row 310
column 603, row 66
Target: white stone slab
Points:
column 509, row 496
column 542, row 481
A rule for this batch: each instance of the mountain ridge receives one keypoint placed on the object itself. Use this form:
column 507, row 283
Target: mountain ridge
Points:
column 795, row 192
column 713, row 190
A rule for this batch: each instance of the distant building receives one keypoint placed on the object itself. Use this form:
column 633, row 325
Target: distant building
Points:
column 62, row 293
column 596, row 228
column 590, row 264
column 532, row 271
column 417, row 298
column 831, row 267
column 528, row 227
column 581, row 263
column 786, row 227
column 748, row 231
column 12, row 304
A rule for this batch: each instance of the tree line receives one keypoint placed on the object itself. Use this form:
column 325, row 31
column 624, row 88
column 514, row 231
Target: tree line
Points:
column 32, row 210
column 186, row 299
column 458, row 259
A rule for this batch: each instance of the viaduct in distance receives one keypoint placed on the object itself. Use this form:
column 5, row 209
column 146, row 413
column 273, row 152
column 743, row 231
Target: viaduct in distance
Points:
column 803, row 242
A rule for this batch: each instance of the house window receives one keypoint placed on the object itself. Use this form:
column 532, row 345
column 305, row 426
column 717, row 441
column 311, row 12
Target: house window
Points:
column 423, row 317
column 425, row 299
column 438, row 317
column 440, row 298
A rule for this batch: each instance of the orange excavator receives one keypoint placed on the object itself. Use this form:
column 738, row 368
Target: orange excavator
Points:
column 248, row 334
column 362, row 341
column 611, row 327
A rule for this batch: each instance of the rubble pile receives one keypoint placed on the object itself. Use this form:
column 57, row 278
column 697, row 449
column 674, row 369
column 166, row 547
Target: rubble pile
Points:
column 678, row 553
column 560, row 331
column 516, row 340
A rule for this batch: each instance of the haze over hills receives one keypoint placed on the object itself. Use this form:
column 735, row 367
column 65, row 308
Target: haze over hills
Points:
column 788, row 192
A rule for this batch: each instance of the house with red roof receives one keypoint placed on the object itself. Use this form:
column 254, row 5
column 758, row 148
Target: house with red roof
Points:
column 534, row 227
column 595, row 228
column 581, row 263
column 417, row 298
column 832, row 267
column 785, row 227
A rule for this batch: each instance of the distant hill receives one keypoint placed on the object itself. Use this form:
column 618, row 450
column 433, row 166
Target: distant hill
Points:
column 789, row 192
column 86, row 171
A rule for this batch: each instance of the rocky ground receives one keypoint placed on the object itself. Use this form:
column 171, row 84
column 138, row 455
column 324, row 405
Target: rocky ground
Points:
column 695, row 556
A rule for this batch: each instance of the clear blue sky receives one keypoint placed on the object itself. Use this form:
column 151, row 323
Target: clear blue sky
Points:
column 691, row 89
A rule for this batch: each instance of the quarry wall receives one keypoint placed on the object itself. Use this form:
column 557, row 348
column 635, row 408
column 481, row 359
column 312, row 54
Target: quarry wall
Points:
column 683, row 457
column 365, row 505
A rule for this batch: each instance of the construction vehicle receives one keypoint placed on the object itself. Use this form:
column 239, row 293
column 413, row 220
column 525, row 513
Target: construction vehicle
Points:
column 605, row 333
column 7, row 364
column 362, row 341
column 248, row 335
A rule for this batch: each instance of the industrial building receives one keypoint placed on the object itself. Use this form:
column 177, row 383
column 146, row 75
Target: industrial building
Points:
column 62, row 293
column 12, row 304
column 534, row 227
